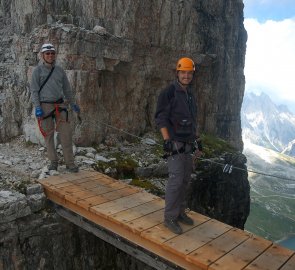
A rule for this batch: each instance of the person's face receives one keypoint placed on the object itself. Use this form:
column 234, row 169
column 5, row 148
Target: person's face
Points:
column 185, row 77
column 49, row 56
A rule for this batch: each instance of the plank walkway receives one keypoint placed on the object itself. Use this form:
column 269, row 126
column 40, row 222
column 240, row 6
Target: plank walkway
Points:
column 137, row 216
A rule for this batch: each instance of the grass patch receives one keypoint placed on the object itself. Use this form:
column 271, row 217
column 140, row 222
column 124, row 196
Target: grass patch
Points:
column 29, row 144
column 214, row 146
column 21, row 187
column 121, row 168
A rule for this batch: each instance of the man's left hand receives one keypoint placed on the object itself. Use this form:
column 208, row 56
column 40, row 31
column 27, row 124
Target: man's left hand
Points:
column 75, row 108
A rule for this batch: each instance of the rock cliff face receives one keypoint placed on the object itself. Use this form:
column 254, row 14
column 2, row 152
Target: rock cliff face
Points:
column 118, row 55
column 222, row 193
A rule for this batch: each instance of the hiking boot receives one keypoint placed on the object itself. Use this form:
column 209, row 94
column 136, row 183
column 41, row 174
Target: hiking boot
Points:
column 72, row 168
column 185, row 219
column 53, row 166
column 173, row 226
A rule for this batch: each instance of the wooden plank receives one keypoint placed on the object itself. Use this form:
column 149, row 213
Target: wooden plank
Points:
column 160, row 234
column 79, row 181
column 89, row 198
column 57, row 191
column 62, row 191
column 196, row 237
column 77, row 176
column 101, row 190
column 90, row 184
column 100, row 179
column 120, row 193
column 242, row 255
column 273, row 258
column 70, row 189
column 290, row 264
column 75, row 197
column 121, row 204
column 48, row 194
column 50, row 188
column 96, row 185
column 93, row 201
column 215, row 249
column 146, row 222
column 63, row 184
column 138, row 211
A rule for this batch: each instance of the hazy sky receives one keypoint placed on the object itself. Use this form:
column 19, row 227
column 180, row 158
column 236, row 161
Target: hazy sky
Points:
column 270, row 56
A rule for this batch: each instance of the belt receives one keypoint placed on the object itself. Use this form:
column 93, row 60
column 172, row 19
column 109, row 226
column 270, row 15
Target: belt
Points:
column 59, row 101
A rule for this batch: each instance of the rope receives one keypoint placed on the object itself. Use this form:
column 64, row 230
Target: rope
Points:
column 269, row 196
column 248, row 170
column 226, row 167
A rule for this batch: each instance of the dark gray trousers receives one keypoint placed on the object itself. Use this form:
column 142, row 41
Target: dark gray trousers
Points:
column 179, row 168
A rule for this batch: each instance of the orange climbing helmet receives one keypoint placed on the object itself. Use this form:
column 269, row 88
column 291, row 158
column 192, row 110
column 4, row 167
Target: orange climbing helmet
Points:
column 185, row 63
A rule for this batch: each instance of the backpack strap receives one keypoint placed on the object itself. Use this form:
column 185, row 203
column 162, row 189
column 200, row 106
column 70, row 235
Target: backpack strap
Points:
column 46, row 80
column 171, row 92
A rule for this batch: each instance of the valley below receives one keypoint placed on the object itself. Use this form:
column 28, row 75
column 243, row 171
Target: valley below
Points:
column 272, row 213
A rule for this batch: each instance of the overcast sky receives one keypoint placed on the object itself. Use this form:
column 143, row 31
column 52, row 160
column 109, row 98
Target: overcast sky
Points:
column 270, row 56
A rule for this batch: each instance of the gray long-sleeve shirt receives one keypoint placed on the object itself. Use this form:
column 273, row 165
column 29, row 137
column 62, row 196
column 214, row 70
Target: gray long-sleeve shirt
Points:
column 56, row 87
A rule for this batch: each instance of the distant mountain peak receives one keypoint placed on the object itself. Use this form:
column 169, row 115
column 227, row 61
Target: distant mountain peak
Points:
column 266, row 124
column 284, row 108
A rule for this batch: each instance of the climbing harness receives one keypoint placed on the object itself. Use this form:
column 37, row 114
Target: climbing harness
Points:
column 175, row 152
column 56, row 116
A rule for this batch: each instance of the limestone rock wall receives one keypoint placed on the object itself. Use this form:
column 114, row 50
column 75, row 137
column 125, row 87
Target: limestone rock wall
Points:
column 118, row 55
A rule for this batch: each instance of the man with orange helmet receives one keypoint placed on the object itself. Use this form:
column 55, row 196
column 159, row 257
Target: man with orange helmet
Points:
column 176, row 118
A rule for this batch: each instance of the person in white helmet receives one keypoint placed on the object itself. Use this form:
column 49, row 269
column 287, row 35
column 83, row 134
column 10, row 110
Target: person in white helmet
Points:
column 51, row 94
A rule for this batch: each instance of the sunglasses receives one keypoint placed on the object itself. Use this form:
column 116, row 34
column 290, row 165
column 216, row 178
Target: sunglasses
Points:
column 50, row 53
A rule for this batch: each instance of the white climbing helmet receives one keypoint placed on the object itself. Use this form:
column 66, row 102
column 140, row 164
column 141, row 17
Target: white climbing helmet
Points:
column 47, row 47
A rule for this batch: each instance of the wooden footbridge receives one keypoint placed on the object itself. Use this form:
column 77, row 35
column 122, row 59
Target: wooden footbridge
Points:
column 132, row 220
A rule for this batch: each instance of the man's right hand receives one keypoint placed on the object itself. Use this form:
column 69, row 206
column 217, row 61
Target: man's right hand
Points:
column 168, row 146
column 39, row 112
